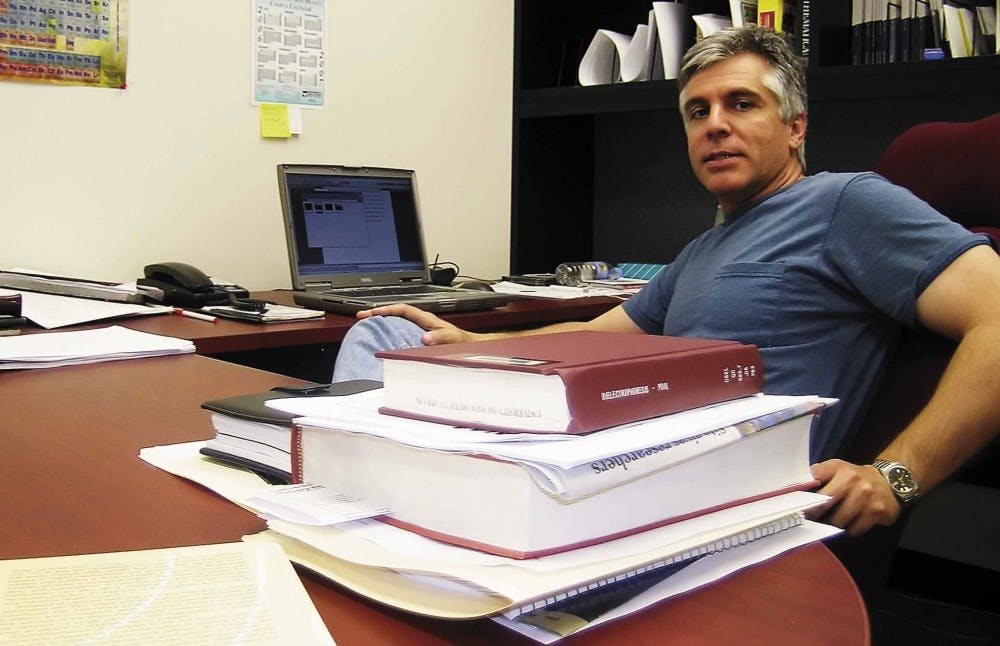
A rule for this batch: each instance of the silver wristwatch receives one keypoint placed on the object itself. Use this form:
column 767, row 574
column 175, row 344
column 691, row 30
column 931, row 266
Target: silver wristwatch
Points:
column 904, row 486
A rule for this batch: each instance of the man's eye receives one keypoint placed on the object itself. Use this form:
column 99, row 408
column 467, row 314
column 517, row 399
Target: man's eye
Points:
column 698, row 113
column 743, row 104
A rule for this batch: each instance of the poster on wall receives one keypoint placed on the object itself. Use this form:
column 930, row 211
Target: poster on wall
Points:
column 64, row 42
column 289, row 57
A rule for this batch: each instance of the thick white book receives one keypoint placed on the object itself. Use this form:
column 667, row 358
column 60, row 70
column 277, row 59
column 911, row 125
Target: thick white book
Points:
column 516, row 508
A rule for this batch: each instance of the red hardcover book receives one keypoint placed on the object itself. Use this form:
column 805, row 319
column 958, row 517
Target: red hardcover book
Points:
column 566, row 382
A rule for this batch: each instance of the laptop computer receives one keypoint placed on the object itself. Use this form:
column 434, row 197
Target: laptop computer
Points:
column 355, row 242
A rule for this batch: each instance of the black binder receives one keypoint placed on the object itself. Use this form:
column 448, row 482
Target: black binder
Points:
column 253, row 408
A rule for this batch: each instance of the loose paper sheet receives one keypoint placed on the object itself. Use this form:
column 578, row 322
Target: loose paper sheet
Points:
column 233, row 593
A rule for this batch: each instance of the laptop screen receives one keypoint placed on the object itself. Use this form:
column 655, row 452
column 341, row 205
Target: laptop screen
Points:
column 348, row 227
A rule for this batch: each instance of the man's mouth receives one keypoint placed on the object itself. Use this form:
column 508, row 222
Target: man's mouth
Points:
column 719, row 156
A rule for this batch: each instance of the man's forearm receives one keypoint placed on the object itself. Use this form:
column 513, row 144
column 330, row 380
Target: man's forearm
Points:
column 567, row 326
column 614, row 320
column 962, row 415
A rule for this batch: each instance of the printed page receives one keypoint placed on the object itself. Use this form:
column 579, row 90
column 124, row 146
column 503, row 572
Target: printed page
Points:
column 52, row 311
column 233, row 593
column 86, row 346
column 601, row 63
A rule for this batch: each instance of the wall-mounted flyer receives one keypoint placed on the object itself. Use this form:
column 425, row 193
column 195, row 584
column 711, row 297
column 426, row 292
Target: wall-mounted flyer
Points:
column 289, row 57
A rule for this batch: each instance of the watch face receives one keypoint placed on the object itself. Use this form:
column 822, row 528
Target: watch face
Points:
column 900, row 480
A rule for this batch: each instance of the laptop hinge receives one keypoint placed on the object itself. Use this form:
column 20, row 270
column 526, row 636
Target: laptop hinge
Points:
column 416, row 279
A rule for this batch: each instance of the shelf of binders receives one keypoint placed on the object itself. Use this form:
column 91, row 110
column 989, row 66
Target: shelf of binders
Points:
column 892, row 80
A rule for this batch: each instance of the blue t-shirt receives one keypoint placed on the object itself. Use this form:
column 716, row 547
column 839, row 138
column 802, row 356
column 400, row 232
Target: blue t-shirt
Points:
column 819, row 275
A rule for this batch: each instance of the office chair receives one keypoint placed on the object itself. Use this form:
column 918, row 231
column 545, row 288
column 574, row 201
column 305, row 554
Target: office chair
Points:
column 918, row 576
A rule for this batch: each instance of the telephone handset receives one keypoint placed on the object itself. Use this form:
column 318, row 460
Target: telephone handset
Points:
column 186, row 285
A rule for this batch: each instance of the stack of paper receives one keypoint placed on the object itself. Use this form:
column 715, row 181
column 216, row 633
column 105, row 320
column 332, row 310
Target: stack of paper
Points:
column 425, row 576
column 86, row 346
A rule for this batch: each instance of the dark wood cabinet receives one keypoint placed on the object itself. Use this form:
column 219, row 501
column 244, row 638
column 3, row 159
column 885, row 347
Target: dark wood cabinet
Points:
column 601, row 172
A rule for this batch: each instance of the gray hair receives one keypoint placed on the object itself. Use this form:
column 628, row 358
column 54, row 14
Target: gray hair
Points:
column 786, row 78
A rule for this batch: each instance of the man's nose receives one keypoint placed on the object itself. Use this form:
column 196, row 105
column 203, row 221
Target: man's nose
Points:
column 716, row 121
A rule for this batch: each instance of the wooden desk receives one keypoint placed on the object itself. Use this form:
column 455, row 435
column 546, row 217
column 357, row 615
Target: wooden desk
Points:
column 233, row 336
column 74, row 484
column 307, row 349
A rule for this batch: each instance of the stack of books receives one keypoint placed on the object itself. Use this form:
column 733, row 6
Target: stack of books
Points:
column 592, row 507
column 249, row 434
column 525, row 495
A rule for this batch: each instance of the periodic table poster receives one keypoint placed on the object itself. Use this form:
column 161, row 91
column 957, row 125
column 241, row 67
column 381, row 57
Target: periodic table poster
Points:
column 65, row 42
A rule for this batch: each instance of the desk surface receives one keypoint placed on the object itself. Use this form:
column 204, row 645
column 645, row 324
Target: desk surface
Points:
column 74, row 484
column 235, row 336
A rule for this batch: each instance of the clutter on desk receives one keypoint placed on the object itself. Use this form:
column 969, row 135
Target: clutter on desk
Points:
column 269, row 313
column 640, row 270
column 561, row 292
column 580, row 279
column 536, row 280
column 310, row 504
column 572, row 274
column 253, row 436
column 47, row 283
column 178, row 283
column 54, row 311
column 10, row 303
column 11, row 325
column 86, row 346
column 11, row 320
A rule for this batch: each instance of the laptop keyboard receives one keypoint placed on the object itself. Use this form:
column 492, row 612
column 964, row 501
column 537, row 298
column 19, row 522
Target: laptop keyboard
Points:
column 405, row 290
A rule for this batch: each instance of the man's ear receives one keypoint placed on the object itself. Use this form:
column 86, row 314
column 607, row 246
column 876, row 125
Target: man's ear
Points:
column 797, row 130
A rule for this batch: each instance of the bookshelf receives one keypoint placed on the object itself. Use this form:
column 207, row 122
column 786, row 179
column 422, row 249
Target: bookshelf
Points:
column 602, row 171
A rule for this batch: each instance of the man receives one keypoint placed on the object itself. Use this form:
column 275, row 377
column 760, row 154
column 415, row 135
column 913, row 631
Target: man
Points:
column 819, row 272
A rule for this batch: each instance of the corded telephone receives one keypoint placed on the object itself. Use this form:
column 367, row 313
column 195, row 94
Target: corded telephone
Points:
column 185, row 285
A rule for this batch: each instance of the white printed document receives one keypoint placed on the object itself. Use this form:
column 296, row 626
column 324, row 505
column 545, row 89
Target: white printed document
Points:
column 53, row 311
column 85, row 346
column 234, row 593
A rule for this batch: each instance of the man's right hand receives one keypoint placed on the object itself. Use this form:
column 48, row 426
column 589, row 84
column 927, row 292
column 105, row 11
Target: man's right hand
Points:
column 438, row 331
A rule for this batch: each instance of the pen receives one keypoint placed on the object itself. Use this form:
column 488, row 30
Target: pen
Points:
column 196, row 315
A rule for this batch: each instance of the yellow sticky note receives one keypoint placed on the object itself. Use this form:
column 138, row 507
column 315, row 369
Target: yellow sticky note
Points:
column 274, row 120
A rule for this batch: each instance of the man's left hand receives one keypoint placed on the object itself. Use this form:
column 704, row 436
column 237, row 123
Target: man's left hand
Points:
column 861, row 496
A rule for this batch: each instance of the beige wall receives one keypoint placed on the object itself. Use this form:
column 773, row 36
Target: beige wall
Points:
column 98, row 183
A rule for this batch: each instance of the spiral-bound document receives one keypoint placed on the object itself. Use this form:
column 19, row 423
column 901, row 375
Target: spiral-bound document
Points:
column 593, row 598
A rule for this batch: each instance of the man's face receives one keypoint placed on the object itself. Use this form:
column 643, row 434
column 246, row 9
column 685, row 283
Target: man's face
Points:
column 738, row 146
